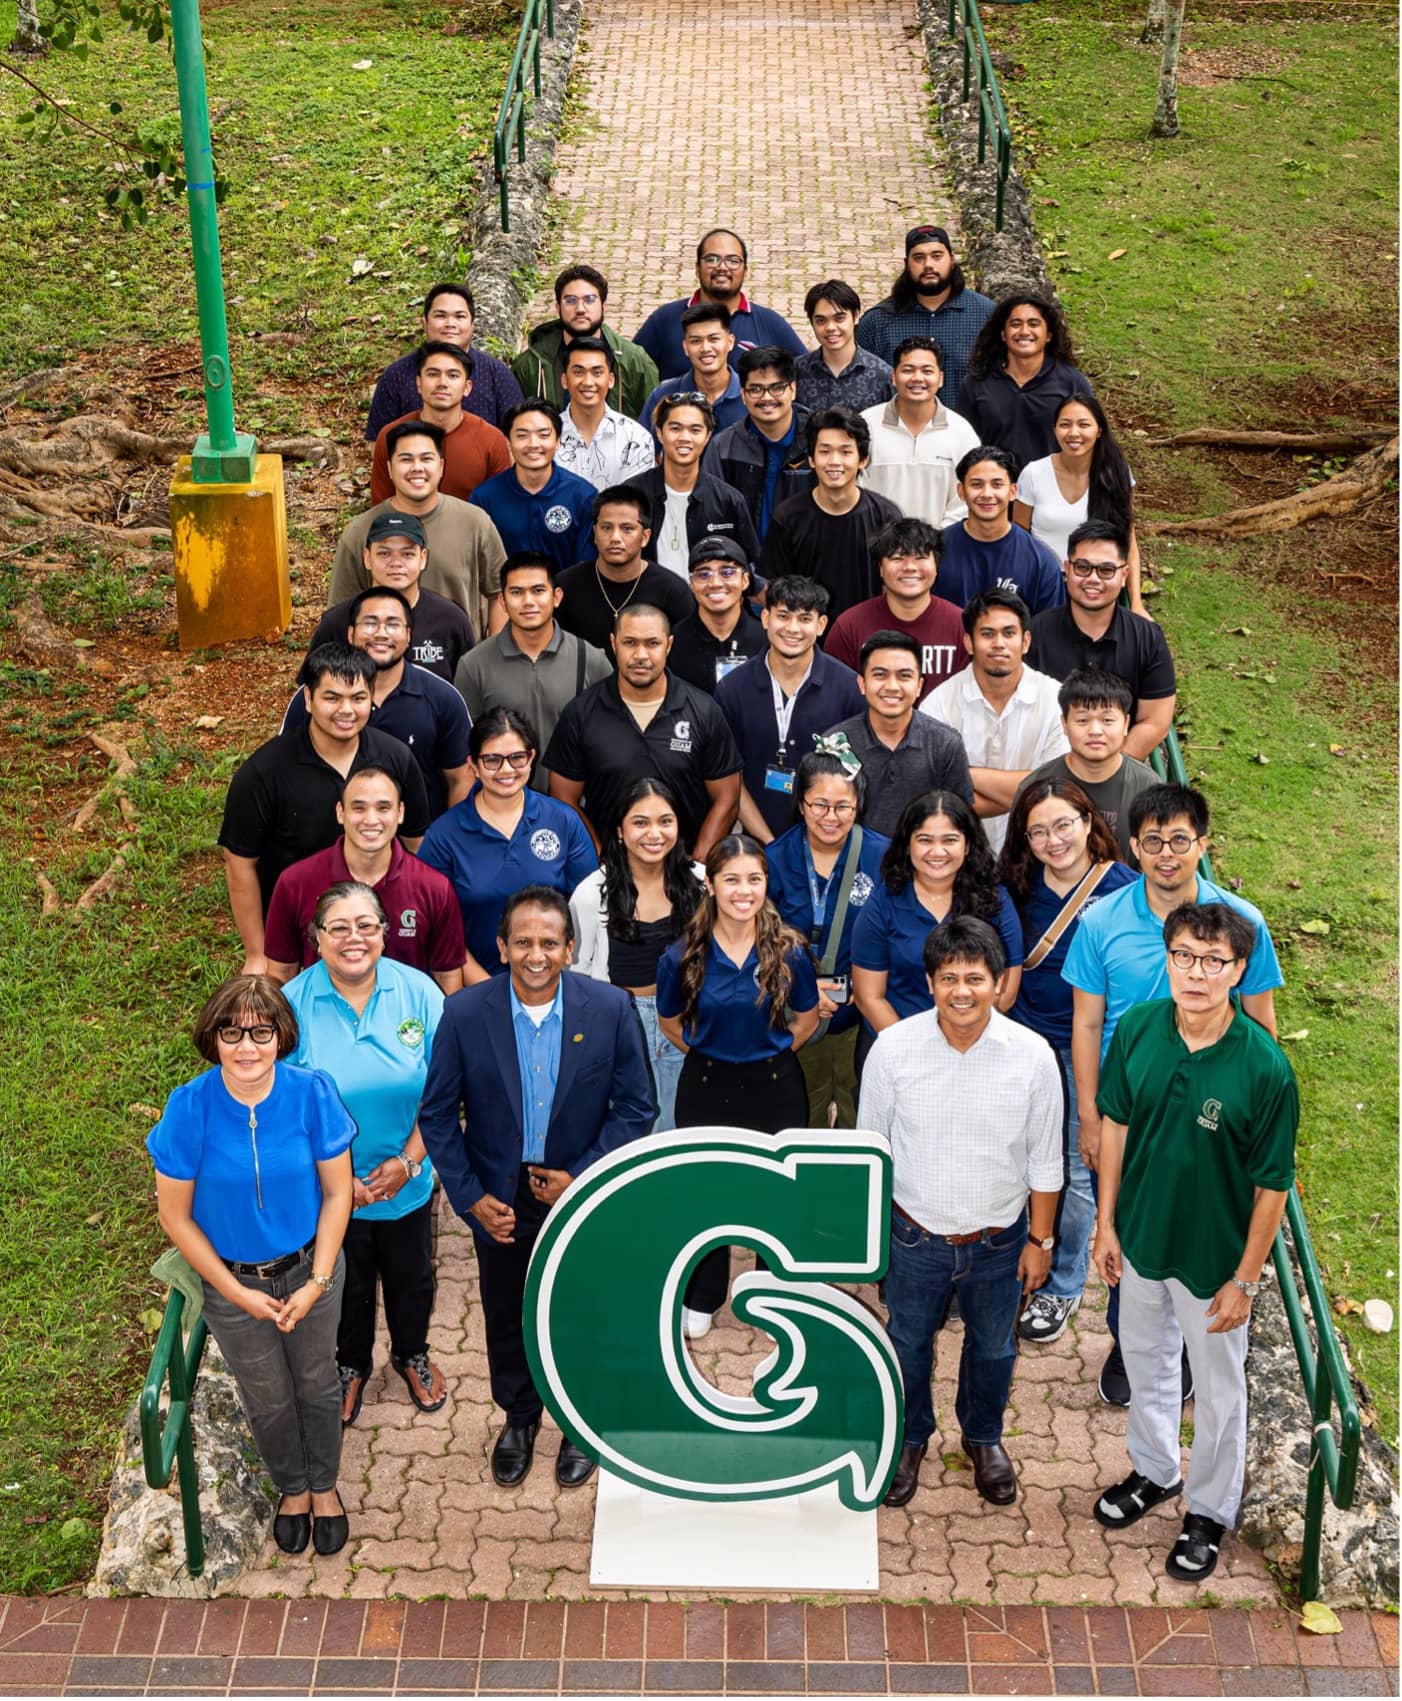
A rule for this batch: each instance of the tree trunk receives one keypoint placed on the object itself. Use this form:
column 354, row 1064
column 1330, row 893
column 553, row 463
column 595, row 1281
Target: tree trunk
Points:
column 1360, row 481
column 1152, row 33
column 1309, row 442
column 1166, row 112
column 27, row 37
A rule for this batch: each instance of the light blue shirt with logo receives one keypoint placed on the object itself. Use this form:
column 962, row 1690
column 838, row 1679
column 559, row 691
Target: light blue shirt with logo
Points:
column 538, row 1058
column 378, row 1060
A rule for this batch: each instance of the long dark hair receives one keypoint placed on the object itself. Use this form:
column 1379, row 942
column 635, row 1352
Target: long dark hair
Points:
column 1017, row 867
column 990, row 354
column 774, row 939
column 683, row 890
column 976, row 883
column 1110, row 495
column 903, row 290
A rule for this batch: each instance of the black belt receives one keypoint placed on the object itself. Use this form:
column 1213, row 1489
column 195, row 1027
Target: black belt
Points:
column 271, row 1266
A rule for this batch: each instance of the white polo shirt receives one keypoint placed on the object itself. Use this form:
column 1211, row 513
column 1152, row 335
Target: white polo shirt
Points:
column 916, row 470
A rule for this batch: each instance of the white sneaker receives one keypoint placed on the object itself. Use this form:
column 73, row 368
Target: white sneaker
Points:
column 696, row 1324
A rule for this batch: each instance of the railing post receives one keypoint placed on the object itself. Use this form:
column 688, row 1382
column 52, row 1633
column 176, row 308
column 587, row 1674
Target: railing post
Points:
column 1314, row 1493
column 550, row 18
column 534, row 9
column 967, row 57
column 182, row 1392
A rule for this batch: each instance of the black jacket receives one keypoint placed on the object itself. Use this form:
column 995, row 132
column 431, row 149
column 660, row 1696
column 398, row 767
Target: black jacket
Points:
column 737, row 455
column 715, row 509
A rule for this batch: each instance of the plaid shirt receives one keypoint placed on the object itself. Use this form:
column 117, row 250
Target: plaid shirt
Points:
column 954, row 326
column 863, row 383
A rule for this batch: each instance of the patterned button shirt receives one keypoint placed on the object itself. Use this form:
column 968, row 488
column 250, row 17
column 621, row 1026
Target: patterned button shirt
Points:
column 618, row 449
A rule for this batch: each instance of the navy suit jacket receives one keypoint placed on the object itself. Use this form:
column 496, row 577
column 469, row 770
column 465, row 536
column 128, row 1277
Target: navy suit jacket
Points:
column 603, row 1097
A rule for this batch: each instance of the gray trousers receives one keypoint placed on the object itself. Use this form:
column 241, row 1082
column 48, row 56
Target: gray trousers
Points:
column 1157, row 1319
column 290, row 1390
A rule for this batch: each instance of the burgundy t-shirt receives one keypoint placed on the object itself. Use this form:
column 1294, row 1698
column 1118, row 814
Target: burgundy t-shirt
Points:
column 425, row 918
column 939, row 632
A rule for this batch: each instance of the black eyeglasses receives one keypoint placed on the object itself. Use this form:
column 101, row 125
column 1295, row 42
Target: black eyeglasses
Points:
column 516, row 759
column 1101, row 569
column 261, row 1033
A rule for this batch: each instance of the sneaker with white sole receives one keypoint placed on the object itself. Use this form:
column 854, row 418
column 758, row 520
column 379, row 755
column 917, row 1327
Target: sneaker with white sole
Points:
column 1194, row 1555
column 1128, row 1501
column 696, row 1324
column 1046, row 1317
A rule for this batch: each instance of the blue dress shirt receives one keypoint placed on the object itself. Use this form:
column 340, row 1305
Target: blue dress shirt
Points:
column 538, row 1058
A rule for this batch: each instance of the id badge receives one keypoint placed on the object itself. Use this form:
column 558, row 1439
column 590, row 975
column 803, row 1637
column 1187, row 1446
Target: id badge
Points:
column 728, row 664
column 779, row 779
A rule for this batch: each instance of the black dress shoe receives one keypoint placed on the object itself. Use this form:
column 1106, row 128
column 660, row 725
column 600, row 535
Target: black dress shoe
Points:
column 994, row 1476
column 514, row 1452
column 907, row 1477
column 292, row 1531
column 573, row 1466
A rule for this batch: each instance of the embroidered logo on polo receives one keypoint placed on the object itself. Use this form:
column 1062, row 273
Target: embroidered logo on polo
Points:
column 408, row 923
column 411, row 1033
column 558, row 519
column 1210, row 1114
column 544, row 844
column 604, row 1335
column 861, row 890
column 681, row 736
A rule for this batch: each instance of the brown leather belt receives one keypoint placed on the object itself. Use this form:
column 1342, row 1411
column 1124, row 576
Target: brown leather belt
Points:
column 948, row 1239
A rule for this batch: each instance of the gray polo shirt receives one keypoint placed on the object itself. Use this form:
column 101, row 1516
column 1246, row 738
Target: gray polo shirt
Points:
column 497, row 674
column 929, row 758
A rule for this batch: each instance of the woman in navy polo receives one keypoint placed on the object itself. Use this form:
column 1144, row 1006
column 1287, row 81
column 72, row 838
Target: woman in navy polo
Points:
column 253, row 1186
column 369, row 1023
column 628, row 913
column 737, row 993
column 1059, row 858
column 504, row 836
column 825, row 864
column 938, row 865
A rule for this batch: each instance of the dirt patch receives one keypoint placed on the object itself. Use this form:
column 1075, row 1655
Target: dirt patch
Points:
column 1204, row 67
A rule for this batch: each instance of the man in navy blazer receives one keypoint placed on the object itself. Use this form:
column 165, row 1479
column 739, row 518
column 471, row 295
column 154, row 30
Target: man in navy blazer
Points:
column 550, row 1071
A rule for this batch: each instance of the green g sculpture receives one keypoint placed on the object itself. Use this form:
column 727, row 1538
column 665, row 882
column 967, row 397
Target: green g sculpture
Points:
column 604, row 1325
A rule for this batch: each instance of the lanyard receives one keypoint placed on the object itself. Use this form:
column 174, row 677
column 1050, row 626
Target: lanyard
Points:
column 783, row 710
column 818, row 892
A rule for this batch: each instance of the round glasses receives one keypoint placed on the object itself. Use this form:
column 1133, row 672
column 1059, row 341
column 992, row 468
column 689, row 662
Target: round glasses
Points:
column 1062, row 829
column 1212, row 964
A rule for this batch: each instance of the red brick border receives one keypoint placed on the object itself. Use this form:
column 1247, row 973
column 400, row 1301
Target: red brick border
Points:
column 60, row 1646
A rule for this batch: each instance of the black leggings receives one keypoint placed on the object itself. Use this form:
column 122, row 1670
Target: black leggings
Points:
column 768, row 1096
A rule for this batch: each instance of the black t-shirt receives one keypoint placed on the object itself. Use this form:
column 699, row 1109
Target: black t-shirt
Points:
column 834, row 549
column 1133, row 649
column 591, row 603
column 281, row 803
column 687, row 742
column 442, row 632
column 703, row 660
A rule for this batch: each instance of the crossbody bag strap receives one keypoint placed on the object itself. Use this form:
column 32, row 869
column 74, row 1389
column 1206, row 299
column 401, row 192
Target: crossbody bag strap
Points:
column 1066, row 915
column 844, row 897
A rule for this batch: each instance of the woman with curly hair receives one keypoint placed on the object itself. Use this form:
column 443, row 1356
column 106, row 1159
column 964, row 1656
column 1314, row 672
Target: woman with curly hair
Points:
column 938, row 866
column 628, row 912
column 1020, row 372
column 737, row 993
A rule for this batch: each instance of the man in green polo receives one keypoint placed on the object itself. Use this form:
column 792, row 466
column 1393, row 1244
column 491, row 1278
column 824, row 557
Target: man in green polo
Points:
column 1197, row 1154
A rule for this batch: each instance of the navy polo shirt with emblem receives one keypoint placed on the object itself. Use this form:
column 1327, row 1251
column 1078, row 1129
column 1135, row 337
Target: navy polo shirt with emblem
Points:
column 729, row 1024
column 792, row 894
column 281, row 803
column 557, row 520
column 687, row 742
column 423, row 712
column 550, row 847
column 891, row 935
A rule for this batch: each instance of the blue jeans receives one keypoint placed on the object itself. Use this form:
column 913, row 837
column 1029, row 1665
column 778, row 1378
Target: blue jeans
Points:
column 1071, row 1259
column 924, row 1272
column 664, row 1059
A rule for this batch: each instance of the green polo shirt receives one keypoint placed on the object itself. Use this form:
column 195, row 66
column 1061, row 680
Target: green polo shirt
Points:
column 1206, row 1128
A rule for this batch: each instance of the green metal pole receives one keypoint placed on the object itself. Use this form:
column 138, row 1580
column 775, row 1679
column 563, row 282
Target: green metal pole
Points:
column 222, row 455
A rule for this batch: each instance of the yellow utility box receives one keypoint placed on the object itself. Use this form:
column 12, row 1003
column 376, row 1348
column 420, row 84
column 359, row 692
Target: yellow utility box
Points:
column 230, row 547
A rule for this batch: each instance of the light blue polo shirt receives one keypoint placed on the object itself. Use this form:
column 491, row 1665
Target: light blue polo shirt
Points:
column 378, row 1061
column 550, row 847
column 1118, row 952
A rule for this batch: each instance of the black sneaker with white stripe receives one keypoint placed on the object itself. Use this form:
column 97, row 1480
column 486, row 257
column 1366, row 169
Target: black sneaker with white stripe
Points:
column 1128, row 1501
column 1194, row 1555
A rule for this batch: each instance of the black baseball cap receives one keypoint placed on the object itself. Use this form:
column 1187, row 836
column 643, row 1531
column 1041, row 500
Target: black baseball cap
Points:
column 716, row 549
column 392, row 524
column 927, row 233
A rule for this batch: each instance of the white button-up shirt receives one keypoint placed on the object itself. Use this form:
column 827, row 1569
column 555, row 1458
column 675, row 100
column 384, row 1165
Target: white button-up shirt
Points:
column 916, row 470
column 971, row 1132
column 618, row 449
column 1026, row 734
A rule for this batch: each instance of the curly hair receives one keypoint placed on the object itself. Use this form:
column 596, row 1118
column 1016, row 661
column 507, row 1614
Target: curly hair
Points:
column 620, row 889
column 1017, row 867
column 775, row 941
column 976, row 883
column 989, row 353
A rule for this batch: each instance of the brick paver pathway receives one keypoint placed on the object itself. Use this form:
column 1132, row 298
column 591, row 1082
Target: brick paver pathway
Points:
column 55, row 1647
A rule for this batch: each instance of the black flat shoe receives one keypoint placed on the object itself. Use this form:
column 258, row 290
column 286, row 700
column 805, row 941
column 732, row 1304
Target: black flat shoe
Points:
column 292, row 1531
column 329, row 1535
column 573, row 1466
column 514, row 1453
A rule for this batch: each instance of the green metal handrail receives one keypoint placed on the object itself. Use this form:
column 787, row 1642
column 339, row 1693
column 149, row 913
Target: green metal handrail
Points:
column 1333, row 1463
column 965, row 22
column 161, row 1447
column 511, row 114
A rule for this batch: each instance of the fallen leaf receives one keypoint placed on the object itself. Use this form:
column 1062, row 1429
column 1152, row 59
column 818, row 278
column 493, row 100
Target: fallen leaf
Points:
column 957, row 1462
column 1317, row 928
column 1347, row 1307
column 73, row 1531
column 1336, row 749
column 1320, row 1620
column 94, row 1219
column 1118, row 254
column 1295, row 885
column 361, row 266
column 362, row 64
column 207, row 723
column 1299, row 1034
column 1241, row 631
column 1264, row 761
column 149, row 1111
column 84, row 643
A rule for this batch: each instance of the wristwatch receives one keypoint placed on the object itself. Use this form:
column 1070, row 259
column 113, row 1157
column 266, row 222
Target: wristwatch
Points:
column 1046, row 1245
column 413, row 1165
column 1250, row 1289
column 325, row 1283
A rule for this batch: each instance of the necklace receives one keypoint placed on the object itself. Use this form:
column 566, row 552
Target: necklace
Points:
column 616, row 609
column 257, row 1173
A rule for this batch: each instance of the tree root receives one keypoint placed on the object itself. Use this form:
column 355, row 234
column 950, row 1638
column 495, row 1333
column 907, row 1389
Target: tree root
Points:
column 104, row 885
column 135, row 537
column 113, row 785
column 1359, row 482
column 82, row 441
column 1308, row 442
column 51, row 904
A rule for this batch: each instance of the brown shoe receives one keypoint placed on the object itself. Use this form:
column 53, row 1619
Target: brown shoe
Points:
column 907, row 1477
column 352, row 1394
column 423, row 1379
column 994, row 1476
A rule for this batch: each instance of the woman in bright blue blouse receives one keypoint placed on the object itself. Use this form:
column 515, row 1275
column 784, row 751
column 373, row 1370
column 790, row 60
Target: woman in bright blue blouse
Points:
column 738, row 993
column 826, row 862
column 253, row 1186
column 369, row 1023
column 504, row 836
column 1059, row 856
column 938, row 865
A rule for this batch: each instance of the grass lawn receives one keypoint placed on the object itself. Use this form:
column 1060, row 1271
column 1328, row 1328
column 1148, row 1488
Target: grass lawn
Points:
column 1258, row 288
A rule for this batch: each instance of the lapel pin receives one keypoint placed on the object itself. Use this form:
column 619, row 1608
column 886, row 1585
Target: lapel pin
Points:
column 578, row 1038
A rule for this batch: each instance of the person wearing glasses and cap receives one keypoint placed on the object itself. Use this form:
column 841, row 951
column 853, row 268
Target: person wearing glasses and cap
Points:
column 722, row 635
column 722, row 260
column 929, row 299
column 689, row 506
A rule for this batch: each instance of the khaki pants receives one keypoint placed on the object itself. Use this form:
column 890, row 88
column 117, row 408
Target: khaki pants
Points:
column 830, row 1074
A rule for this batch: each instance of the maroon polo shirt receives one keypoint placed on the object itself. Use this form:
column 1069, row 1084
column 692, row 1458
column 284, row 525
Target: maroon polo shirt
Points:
column 425, row 920
column 939, row 632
